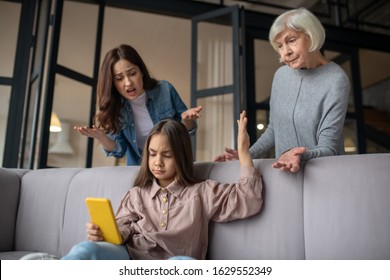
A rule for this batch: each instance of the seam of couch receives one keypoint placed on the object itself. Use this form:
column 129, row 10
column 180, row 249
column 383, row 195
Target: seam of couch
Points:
column 303, row 210
column 79, row 170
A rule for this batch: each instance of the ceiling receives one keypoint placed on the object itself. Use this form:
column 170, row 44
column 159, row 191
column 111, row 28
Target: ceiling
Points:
column 367, row 15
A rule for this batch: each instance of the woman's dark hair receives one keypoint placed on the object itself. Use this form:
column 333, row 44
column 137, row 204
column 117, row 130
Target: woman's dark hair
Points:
column 109, row 99
column 180, row 142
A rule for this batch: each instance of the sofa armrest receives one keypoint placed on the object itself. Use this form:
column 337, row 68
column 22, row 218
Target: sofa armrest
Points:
column 9, row 200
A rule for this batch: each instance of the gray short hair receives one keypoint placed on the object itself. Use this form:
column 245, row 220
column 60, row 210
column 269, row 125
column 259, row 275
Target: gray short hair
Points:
column 302, row 20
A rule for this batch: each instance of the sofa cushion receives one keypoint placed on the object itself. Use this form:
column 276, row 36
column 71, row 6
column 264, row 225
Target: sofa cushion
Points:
column 14, row 255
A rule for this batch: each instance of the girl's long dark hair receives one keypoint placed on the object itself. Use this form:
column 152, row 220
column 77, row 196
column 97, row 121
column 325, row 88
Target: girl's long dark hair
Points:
column 109, row 99
column 180, row 142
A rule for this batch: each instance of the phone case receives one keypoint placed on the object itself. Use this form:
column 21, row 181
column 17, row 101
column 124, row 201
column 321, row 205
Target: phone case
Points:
column 101, row 213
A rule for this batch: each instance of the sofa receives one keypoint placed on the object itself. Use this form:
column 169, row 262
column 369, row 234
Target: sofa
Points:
column 333, row 208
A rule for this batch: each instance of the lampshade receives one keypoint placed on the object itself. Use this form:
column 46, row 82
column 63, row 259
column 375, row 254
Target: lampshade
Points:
column 62, row 145
column 55, row 124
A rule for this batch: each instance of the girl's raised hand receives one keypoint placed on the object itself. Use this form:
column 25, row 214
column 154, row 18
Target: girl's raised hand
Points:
column 243, row 141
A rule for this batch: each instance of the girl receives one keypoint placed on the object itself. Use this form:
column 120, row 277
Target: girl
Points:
column 167, row 213
column 130, row 103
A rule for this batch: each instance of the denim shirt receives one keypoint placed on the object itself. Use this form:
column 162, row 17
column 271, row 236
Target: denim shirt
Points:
column 163, row 102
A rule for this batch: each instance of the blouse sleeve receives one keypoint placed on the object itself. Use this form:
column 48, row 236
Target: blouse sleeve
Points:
column 125, row 216
column 227, row 202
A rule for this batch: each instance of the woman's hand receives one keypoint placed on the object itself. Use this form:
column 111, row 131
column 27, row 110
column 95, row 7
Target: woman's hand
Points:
column 229, row 154
column 92, row 132
column 290, row 160
column 93, row 232
column 192, row 113
column 188, row 117
column 97, row 134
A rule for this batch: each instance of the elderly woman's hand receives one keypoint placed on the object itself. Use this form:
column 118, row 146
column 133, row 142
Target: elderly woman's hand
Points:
column 290, row 160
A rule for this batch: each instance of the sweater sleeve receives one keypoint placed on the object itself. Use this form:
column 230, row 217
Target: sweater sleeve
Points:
column 330, row 130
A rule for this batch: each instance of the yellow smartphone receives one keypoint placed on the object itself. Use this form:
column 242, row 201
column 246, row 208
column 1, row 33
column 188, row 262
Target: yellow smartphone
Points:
column 101, row 213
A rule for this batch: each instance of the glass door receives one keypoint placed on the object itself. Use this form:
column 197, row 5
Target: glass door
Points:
column 71, row 83
column 31, row 119
column 217, row 79
column 17, row 19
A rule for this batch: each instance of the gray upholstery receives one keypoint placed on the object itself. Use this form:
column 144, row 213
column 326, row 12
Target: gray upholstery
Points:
column 276, row 233
column 349, row 208
column 9, row 197
column 334, row 208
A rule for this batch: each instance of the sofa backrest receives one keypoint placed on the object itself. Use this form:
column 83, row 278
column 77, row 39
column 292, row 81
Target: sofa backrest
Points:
column 347, row 207
column 276, row 232
column 42, row 202
column 109, row 182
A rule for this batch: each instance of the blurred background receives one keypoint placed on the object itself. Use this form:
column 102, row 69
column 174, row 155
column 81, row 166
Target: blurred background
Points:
column 215, row 53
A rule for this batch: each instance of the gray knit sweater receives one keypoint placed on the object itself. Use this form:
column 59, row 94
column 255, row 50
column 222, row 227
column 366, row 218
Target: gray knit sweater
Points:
column 307, row 108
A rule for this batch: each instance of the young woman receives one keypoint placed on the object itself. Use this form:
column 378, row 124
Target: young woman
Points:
column 309, row 96
column 130, row 103
column 167, row 212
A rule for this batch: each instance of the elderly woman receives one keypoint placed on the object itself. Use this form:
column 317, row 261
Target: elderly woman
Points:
column 309, row 96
